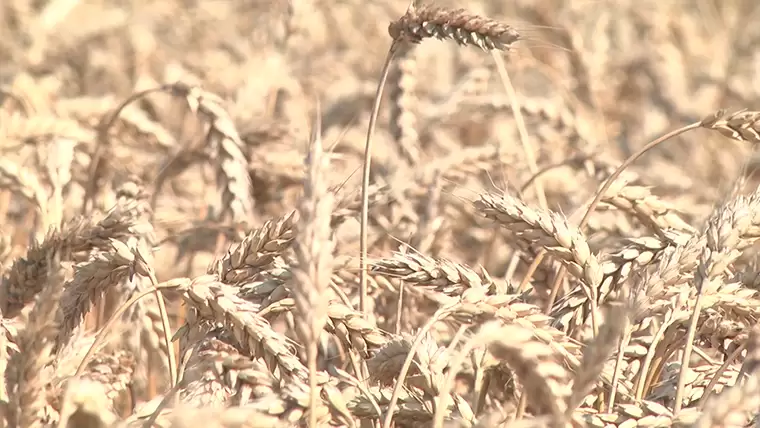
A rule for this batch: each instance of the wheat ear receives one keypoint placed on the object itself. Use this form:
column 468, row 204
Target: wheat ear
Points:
column 313, row 251
column 596, row 353
column 735, row 126
column 723, row 234
column 36, row 343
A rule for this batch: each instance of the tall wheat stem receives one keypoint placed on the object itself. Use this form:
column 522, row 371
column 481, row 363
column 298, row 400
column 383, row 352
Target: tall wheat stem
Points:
column 365, row 177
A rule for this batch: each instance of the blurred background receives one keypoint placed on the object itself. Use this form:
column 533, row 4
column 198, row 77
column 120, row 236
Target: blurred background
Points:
column 595, row 79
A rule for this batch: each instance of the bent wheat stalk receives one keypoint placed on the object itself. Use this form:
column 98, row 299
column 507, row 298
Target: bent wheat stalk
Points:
column 365, row 177
column 417, row 24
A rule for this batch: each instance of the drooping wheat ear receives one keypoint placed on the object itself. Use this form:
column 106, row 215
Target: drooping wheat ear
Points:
column 92, row 278
column 214, row 301
column 536, row 227
column 742, row 125
column 349, row 326
column 385, row 365
column 654, row 213
column 97, row 163
column 638, row 253
column 415, row 25
column 475, row 308
column 26, row 276
column 674, row 268
column 25, row 368
column 133, row 123
column 313, row 251
column 439, row 275
column 589, row 210
column 732, row 229
column 429, row 21
column 410, row 408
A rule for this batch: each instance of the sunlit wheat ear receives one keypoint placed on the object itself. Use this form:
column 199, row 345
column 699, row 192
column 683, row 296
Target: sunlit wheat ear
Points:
column 26, row 377
column 429, row 21
column 742, row 125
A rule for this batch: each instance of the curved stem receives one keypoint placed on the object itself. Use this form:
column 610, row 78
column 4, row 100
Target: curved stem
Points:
column 173, row 372
column 365, row 177
column 102, row 141
column 633, row 158
column 103, row 333
column 598, row 197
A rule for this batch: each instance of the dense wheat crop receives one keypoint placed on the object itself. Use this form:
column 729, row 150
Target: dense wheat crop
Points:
column 371, row 214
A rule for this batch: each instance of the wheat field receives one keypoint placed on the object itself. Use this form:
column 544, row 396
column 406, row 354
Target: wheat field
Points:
column 376, row 214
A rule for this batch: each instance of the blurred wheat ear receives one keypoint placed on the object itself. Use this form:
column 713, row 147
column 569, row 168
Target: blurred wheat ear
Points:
column 314, row 250
column 458, row 25
column 418, row 23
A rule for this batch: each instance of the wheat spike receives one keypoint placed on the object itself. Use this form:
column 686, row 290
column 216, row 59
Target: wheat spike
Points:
column 454, row 24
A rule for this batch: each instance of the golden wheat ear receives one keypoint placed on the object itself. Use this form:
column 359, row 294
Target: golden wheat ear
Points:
column 365, row 175
column 429, row 21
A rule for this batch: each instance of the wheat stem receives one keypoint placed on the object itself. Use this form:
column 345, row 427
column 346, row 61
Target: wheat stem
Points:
column 363, row 239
